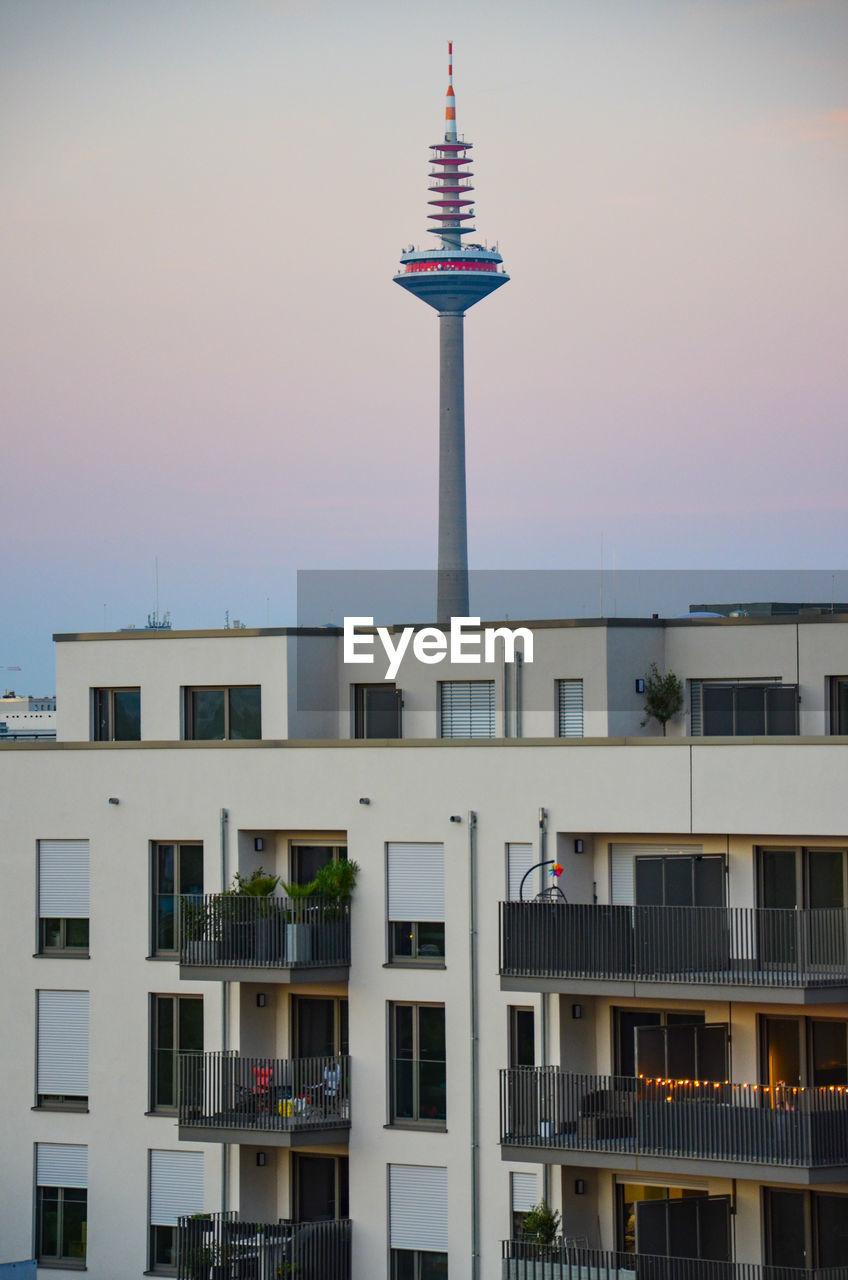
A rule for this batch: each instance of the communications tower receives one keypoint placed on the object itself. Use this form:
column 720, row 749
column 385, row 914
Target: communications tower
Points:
column 451, row 279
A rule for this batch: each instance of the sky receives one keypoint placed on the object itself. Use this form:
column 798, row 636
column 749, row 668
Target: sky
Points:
column 205, row 363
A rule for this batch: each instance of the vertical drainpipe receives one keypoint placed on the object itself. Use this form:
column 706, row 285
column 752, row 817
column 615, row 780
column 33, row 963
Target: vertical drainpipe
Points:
column 519, row 667
column 475, row 1046
column 225, row 1010
column 506, row 732
column 543, row 854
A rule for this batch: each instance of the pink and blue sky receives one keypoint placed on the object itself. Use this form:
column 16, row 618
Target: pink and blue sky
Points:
column 204, row 357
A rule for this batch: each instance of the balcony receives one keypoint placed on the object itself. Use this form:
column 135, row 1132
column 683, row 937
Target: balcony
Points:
column 222, row 1247
column 800, row 1134
column 287, row 1102
column 524, row 1261
column 232, row 938
column 713, row 951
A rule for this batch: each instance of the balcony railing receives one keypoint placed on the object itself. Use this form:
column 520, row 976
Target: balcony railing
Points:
column 696, row 1120
column 522, row 1260
column 268, row 1095
column 716, row 946
column 221, row 1246
column 232, row 930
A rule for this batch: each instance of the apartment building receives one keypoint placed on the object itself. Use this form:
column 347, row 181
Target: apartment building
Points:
column 220, row 1085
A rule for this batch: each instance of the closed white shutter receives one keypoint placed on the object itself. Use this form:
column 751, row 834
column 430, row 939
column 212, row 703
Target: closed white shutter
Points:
column 58, row 1164
column 467, row 709
column 519, row 860
column 176, row 1186
column 63, row 1043
column 418, row 1207
column 63, row 879
column 696, row 726
column 570, row 708
column 622, row 878
column 525, row 1192
column 416, row 881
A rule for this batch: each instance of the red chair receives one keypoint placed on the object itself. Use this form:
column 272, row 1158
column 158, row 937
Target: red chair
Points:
column 262, row 1087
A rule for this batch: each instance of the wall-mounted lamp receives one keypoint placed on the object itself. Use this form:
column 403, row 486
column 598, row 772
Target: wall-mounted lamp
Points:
column 258, row 844
column 261, row 1159
column 364, row 800
column 579, row 1186
column 578, row 846
column 577, row 1011
column 114, row 800
column 261, row 1000
column 455, row 817
column 640, row 685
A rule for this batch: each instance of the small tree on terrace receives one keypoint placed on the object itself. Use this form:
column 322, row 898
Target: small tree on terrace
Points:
column 663, row 696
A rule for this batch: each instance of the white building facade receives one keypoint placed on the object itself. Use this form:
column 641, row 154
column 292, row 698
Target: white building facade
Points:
column 384, row 1088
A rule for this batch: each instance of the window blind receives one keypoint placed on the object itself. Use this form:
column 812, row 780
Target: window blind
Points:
column 467, row 708
column 418, row 1207
column 525, row 1192
column 416, row 874
column 63, row 1043
column 63, row 875
column 569, row 708
column 176, row 1186
column 59, row 1164
column 519, row 860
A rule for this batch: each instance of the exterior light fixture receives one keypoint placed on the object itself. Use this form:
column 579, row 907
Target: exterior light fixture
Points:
column 577, row 1011
column 261, row 1000
column 579, row 1186
column 455, row 817
column 364, row 800
column 258, row 844
column 640, row 685
column 578, row 846
column 114, row 800
column 261, row 1159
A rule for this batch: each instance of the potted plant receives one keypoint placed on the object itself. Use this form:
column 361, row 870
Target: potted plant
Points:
column 541, row 1224
column 663, row 697
column 256, row 939
column 328, row 894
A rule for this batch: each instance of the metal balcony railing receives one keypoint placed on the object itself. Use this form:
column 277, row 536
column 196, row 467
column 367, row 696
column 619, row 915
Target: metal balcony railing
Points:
column 691, row 1119
column 219, row 1246
column 222, row 929
column 282, row 1095
column 745, row 946
column 522, row 1260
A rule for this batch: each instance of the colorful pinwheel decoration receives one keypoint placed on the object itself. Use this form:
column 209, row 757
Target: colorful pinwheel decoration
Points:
column 555, row 871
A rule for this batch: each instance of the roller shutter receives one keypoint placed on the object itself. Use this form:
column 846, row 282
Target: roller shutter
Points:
column 63, row 873
column 63, row 1043
column 418, row 1207
column 569, row 708
column 59, row 1164
column 467, row 709
column 176, row 1186
column 519, row 860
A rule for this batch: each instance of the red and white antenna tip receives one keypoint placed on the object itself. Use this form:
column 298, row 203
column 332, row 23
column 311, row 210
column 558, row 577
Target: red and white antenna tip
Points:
column 450, row 101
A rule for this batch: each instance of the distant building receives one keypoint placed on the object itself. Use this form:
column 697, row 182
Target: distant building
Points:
column 27, row 717
column 769, row 609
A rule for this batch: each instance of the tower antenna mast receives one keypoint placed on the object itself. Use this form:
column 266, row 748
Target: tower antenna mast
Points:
column 451, row 278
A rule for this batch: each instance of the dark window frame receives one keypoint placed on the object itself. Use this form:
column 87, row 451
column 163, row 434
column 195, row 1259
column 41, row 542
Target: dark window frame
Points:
column 742, row 686
column 838, row 724
column 360, row 710
column 60, row 1259
column 63, row 947
column 175, row 1049
column 415, row 955
column 417, row 1258
column 157, row 916
column 416, row 1061
column 103, row 717
column 190, row 713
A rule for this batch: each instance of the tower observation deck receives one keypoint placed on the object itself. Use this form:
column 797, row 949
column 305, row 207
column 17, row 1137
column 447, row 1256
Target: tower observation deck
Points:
column 451, row 278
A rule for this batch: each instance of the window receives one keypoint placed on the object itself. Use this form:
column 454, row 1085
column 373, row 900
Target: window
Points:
column 418, row 1222
column 319, row 1026
column 176, row 1027
column 805, row 1229
column 176, row 1191
column 376, row 711
column 61, row 1210
column 321, row 1187
column 804, row 1051
column 734, row 708
column 466, row 708
column 673, row 1222
column 416, row 902
column 569, row 701
column 177, row 870
column 682, row 1051
column 62, row 1076
column 418, row 1073
column 839, row 704
column 630, row 1024
column 524, row 1196
column 307, row 860
column 522, row 1037
column 214, row 714
column 63, row 875
column 116, row 715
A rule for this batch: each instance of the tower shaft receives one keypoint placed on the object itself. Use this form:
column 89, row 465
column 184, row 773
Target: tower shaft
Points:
column 452, row 578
